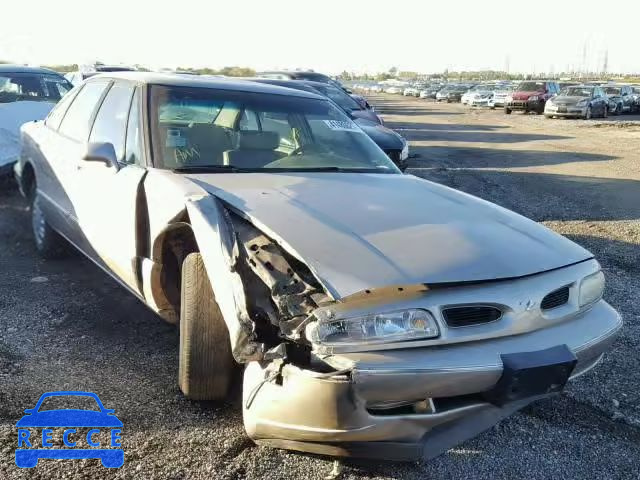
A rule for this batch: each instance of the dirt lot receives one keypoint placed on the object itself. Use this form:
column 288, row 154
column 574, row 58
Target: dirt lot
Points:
column 64, row 325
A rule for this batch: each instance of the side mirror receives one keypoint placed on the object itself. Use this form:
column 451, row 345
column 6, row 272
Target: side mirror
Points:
column 101, row 152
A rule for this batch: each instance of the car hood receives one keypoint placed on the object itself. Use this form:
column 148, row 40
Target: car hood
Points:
column 366, row 115
column 568, row 100
column 525, row 95
column 384, row 137
column 12, row 116
column 362, row 231
column 69, row 418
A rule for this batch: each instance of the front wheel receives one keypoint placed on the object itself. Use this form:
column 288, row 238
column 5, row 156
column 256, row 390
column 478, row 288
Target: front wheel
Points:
column 605, row 112
column 205, row 364
column 507, row 111
column 587, row 114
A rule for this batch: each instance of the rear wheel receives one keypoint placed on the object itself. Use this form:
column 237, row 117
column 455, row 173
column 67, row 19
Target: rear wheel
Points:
column 205, row 365
column 49, row 243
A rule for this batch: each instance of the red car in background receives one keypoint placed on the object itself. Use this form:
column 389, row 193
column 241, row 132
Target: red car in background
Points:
column 531, row 96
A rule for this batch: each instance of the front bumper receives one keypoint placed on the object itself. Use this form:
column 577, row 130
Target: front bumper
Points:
column 525, row 105
column 6, row 169
column 351, row 413
column 481, row 102
column 565, row 111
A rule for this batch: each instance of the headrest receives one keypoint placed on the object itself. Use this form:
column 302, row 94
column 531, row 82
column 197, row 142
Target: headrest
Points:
column 255, row 140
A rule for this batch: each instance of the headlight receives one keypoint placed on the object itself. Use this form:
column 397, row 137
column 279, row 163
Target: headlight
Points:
column 591, row 288
column 374, row 328
column 508, row 98
column 405, row 151
column 534, row 98
column 582, row 103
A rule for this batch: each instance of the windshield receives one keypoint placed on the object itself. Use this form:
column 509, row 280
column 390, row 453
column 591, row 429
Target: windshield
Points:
column 531, row 87
column 612, row 90
column 66, row 402
column 577, row 92
column 15, row 87
column 221, row 130
column 339, row 96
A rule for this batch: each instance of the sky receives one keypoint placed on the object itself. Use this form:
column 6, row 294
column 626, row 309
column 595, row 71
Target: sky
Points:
column 327, row 35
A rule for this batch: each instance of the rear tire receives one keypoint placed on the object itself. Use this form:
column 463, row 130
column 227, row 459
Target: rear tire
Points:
column 205, row 364
column 49, row 243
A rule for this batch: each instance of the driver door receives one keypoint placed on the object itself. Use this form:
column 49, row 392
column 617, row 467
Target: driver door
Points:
column 106, row 195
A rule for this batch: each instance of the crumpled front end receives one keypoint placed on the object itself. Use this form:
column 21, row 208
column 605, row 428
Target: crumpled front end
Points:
column 412, row 400
column 401, row 371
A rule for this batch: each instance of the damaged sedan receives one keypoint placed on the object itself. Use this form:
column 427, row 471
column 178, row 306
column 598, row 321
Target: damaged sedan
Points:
column 376, row 314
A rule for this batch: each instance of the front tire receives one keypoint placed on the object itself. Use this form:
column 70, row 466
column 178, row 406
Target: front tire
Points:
column 205, row 364
column 605, row 112
column 49, row 243
column 587, row 114
column 507, row 111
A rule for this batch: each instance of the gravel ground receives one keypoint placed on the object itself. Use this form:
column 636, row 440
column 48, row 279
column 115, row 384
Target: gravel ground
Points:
column 65, row 325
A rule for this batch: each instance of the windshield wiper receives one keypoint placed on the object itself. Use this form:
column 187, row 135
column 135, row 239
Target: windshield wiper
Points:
column 328, row 169
column 211, row 169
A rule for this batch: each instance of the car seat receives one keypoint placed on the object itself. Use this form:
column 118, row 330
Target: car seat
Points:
column 255, row 150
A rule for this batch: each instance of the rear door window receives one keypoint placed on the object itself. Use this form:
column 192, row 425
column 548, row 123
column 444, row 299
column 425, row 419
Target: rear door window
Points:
column 77, row 121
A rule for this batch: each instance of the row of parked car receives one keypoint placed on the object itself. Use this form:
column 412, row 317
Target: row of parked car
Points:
column 549, row 97
column 29, row 93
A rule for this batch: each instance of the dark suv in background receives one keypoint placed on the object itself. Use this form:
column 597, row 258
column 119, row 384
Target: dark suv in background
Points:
column 313, row 77
column 531, row 96
column 621, row 98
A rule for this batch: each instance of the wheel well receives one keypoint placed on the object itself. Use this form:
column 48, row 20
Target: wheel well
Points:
column 170, row 249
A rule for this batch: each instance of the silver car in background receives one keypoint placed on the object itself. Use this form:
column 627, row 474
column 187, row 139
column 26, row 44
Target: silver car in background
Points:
column 376, row 314
column 583, row 101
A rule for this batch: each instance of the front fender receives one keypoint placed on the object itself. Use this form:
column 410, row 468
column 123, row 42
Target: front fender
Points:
column 215, row 236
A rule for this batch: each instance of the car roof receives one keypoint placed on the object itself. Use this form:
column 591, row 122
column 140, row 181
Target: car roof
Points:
column 300, row 85
column 231, row 84
column 10, row 68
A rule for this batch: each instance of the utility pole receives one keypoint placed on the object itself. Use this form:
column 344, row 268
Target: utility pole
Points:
column 605, row 65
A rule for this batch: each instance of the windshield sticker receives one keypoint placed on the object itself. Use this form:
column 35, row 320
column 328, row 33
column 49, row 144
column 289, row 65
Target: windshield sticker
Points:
column 175, row 139
column 342, row 126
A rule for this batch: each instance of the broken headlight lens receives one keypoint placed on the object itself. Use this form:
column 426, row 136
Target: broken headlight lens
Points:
column 374, row 328
column 591, row 288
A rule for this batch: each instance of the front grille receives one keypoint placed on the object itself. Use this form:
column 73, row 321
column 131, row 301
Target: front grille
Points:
column 555, row 299
column 470, row 315
column 394, row 155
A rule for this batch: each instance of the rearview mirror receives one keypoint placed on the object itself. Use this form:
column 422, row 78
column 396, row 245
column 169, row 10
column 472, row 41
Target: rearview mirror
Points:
column 101, row 152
